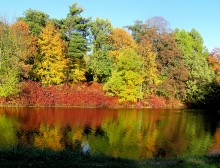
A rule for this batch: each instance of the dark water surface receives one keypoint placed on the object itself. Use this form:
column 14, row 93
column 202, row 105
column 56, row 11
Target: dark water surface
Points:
column 123, row 133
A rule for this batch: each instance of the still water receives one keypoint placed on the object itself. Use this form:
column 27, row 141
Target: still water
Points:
column 122, row 133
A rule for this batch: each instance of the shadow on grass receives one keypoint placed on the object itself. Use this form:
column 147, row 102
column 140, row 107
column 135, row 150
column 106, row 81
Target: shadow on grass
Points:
column 32, row 157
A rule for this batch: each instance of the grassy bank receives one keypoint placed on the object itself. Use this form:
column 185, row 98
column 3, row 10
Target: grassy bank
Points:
column 25, row 157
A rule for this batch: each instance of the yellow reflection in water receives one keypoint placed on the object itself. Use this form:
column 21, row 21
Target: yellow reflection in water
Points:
column 49, row 137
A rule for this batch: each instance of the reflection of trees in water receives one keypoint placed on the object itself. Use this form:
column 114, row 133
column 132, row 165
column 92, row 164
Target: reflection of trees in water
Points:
column 216, row 146
column 211, row 120
column 26, row 137
column 185, row 135
column 127, row 138
column 49, row 137
column 133, row 134
column 157, row 135
column 8, row 132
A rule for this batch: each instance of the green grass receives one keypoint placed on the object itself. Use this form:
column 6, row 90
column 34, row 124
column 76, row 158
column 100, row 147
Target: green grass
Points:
column 29, row 157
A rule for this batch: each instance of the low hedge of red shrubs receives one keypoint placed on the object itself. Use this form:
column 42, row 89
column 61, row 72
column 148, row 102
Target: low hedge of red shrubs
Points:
column 155, row 101
column 83, row 95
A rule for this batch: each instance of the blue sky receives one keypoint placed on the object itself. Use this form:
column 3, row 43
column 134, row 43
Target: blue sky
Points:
column 203, row 15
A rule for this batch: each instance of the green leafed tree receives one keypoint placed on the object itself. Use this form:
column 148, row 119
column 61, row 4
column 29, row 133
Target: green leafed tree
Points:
column 126, row 78
column 100, row 63
column 137, row 29
column 100, row 66
column 100, row 29
column 36, row 20
column 9, row 69
column 195, row 60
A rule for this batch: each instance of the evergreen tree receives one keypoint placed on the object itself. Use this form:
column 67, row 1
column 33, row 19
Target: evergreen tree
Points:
column 77, row 46
column 76, row 51
column 74, row 22
column 75, row 30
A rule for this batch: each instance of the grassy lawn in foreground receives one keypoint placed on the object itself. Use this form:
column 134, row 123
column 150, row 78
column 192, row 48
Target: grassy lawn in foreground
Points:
column 24, row 157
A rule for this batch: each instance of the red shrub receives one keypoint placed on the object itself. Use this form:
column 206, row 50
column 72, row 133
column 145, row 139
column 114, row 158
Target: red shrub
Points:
column 88, row 94
column 161, row 102
column 83, row 95
column 157, row 101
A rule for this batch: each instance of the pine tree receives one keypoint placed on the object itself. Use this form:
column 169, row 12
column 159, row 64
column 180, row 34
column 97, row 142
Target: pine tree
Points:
column 76, row 51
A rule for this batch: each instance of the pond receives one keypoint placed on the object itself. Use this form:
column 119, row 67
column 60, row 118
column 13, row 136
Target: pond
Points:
column 126, row 133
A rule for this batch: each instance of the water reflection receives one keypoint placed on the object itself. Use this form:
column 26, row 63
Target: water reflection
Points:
column 120, row 133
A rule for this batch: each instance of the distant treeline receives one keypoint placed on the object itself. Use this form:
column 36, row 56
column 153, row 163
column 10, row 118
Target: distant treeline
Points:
column 141, row 63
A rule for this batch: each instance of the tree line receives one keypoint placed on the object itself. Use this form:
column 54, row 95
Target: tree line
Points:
column 133, row 63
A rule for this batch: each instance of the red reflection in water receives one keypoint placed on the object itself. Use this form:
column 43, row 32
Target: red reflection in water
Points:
column 31, row 118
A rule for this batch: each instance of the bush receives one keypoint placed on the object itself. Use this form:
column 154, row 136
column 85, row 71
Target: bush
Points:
column 85, row 95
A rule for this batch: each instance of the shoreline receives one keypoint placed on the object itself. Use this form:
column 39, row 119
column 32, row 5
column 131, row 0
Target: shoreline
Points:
column 94, row 107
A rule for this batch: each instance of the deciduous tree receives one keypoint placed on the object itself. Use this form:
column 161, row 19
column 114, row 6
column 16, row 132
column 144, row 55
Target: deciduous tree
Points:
column 216, row 53
column 36, row 20
column 149, row 67
column 100, row 63
column 26, row 45
column 169, row 59
column 195, row 60
column 51, row 65
column 100, row 29
column 119, row 40
column 215, row 64
column 159, row 23
column 9, row 60
column 126, row 79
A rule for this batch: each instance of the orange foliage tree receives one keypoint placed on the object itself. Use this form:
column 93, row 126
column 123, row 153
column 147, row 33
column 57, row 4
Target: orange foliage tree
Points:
column 120, row 39
column 215, row 63
column 26, row 46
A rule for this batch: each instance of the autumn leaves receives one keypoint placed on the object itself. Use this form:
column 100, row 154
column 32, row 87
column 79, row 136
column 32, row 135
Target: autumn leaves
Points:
column 145, row 60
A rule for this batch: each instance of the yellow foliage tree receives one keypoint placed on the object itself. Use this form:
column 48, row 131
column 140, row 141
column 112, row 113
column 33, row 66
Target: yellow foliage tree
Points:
column 149, row 67
column 126, row 79
column 120, row 39
column 51, row 65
